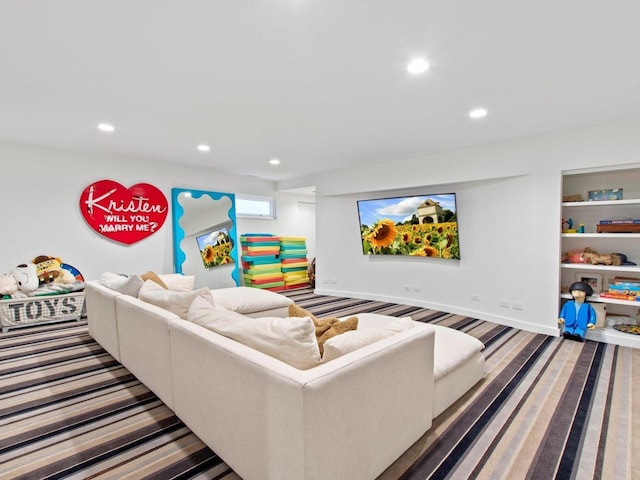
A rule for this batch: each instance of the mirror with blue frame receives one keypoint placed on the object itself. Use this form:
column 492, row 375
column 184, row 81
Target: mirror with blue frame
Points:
column 204, row 237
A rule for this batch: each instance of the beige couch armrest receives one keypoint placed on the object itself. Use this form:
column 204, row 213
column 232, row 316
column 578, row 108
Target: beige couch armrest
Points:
column 145, row 348
column 100, row 302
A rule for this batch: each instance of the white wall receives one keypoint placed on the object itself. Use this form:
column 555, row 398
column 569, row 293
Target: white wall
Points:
column 508, row 201
column 39, row 200
column 508, row 209
column 295, row 218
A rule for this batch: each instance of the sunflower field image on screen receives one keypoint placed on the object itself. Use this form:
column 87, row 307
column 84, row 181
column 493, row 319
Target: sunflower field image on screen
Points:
column 215, row 247
column 421, row 226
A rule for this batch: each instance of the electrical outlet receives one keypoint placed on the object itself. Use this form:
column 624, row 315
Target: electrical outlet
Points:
column 517, row 306
column 475, row 297
column 326, row 281
column 417, row 289
column 334, row 281
column 406, row 288
column 504, row 303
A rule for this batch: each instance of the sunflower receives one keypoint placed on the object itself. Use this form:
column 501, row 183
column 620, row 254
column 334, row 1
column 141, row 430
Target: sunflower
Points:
column 449, row 240
column 406, row 238
column 383, row 233
column 430, row 252
column 208, row 254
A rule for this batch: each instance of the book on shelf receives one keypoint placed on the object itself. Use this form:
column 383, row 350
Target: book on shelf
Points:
column 634, row 281
column 621, row 221
column 625, row 289
column 617, row 296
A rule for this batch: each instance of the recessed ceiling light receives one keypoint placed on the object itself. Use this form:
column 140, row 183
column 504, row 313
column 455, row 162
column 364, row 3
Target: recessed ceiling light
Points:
column 417, row 65
column 274, row 161
column 106, row 127
column 478, row 113
column 204, row 148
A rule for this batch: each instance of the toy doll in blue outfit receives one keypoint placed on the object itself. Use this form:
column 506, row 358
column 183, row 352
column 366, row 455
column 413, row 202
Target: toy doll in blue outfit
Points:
column 577, row 315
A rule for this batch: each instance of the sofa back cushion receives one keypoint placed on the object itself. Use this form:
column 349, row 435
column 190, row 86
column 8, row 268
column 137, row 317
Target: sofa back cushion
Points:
column 178, row 281
column 171, row 300
column 291, row 340
column 131, row 284
column 249, row 299
column 326, row 328
column 127, row 285
column 354, row 339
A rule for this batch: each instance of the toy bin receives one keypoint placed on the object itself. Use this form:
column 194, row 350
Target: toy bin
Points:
column 25, row 312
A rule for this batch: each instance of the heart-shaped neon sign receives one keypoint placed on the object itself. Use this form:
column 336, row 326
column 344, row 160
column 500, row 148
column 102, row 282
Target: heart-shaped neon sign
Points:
column 126, row 215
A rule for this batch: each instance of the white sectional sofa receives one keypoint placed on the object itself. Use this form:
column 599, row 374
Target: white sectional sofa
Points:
column 348, row 418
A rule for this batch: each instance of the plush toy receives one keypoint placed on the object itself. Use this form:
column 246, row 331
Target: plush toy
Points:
column 589, row 255
column 595, row 258
column 49, row 270
column 577, row 316
column 26, row 275
column 8, row 285
column 574, row 257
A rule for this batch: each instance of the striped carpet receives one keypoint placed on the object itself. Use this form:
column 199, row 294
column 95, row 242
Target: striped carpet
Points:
column 548, row 408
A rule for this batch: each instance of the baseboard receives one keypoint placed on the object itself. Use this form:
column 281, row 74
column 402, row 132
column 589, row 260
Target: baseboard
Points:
column 509, row 322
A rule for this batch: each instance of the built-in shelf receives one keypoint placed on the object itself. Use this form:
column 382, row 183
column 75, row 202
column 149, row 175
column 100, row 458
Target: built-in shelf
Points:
column 603, row 203
column 601, row 235
column 610, row 268
column 590, row 214
column 598, row 299
column 611, row 335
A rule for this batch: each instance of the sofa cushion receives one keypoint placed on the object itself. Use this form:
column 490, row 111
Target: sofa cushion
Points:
column 176, row 302
column 326, row 328
column 150, row 275
column 178, row 281
column 452, row 349
column 352, row 340
column 338, row 327
column 248, row 299
column 291, row 340
column 127, row 285
column 131, row 284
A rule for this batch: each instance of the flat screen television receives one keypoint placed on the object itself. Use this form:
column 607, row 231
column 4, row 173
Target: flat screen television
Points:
column 417, row 225
column 215, row 247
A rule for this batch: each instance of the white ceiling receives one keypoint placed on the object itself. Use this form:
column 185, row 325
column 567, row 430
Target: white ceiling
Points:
column 319, row 84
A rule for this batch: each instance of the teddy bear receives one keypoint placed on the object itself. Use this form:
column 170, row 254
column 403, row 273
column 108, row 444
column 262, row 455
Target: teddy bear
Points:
column 8, row 285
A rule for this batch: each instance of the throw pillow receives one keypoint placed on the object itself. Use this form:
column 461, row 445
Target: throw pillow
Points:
column 176, row 302
column 291, row 340
column 337, row 328
column 326, row 328
column 350, row 341
column 178, row 281
column 127, row 285
column 153, row 276
column 249, row 299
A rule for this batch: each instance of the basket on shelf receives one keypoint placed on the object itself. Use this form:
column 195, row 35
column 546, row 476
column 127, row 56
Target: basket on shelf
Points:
column 23, row 312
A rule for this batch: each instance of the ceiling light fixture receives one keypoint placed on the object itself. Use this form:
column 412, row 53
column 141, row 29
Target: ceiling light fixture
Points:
column 478, row 113
column 274, row 161
column 417, row 65
column 204, row 148
column 106, row 127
